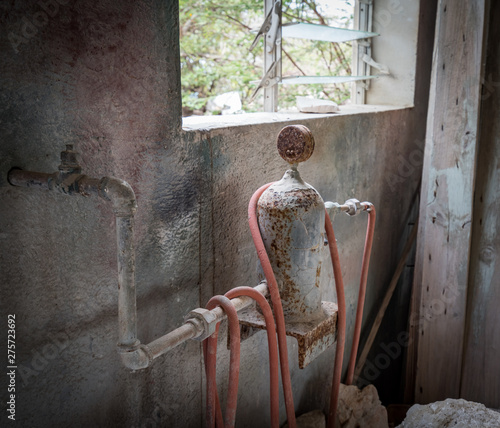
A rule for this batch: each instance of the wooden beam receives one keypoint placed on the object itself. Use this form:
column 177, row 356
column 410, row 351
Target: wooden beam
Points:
column 481, row 365
column 437, row 320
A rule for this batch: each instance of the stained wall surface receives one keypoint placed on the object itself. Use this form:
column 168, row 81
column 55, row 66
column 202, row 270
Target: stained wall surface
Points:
column 104, row 76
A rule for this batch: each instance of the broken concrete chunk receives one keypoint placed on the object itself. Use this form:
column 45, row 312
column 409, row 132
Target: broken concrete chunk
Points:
column 451, row 413
column 313, row 105
column 356, row 409
column 360, row 408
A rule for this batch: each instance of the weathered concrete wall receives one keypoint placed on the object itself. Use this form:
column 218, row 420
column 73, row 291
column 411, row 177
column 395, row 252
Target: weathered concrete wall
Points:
column 105, row 76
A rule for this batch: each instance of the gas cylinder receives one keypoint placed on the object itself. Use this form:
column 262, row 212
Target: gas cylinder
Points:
column 291, row 215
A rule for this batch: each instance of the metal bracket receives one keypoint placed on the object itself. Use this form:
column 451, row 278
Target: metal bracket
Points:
column 313, row 336
column 270, row 28
column 380, row 67
column 267, row 81
column 273, row 36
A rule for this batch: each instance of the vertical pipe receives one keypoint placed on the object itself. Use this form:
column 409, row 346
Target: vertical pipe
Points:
column 127, row 314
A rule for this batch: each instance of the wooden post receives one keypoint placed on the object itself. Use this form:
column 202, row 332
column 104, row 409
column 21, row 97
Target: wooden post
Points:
column 437, row 318
column 481, row 365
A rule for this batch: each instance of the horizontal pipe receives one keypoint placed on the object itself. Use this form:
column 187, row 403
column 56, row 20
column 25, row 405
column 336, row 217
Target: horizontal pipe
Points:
column 193, row 328
column 39, row 180
column 169, row 341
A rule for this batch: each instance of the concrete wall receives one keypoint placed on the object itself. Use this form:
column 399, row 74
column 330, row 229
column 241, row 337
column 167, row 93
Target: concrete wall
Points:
column 105, row 76
column 397, row 23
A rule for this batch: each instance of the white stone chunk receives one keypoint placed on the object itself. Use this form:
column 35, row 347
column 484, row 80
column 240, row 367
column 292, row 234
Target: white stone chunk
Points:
column 313, row 105
column 451, row 413
column 361, row 408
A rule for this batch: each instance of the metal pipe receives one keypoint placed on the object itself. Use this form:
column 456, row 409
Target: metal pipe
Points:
column 69, row 181
column 193, row 327
column 122, row 198
column 169, row 341
column 127, row 312
column 38, row 180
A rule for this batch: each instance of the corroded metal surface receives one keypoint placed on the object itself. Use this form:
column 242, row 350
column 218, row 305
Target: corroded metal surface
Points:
column 313, row 336
column 69, row 162
column 295, row 143
column 291, row 219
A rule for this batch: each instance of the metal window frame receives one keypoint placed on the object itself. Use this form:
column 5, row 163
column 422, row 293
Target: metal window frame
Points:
column 363, row 18
column 271, row 93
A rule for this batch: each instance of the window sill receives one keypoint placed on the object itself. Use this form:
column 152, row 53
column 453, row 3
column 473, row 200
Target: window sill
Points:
column 203, row 123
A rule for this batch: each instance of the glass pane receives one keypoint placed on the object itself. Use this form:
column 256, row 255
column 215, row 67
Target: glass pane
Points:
column 302, row 30
column 300, row 80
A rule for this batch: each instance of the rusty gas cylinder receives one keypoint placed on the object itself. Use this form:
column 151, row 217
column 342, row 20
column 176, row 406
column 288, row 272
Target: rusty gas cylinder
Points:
column 291, row 217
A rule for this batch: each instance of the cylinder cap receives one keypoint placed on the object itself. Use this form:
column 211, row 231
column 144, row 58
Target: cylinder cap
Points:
column 295, row 143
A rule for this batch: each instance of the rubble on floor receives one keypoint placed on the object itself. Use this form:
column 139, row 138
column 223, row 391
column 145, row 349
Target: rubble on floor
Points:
column 356, row 409
column 361, row 408
column 451, row 413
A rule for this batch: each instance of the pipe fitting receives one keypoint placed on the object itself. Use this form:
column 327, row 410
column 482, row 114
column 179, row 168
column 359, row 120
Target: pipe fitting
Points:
column 353, row 207
column 120, row 194
column 333, row 208
column 69, row 162
column 205, row 322
column 367, row 206
column 136, row 358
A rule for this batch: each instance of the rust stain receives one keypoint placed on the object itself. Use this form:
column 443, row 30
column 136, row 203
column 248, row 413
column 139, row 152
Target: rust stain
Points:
column 281, row 209
column 313, row 337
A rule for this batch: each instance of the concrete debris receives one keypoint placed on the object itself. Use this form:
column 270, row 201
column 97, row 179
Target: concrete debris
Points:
column 360, row 408
column 227, row 103
column 313, row 105
column 451, row 413
column 314, row 419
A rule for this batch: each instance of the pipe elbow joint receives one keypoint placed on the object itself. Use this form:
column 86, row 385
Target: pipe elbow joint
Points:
column 136, row 358
column 120, row 194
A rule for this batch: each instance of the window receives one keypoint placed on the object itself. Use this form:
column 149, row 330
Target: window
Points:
column 216, row 58
column 306, row 28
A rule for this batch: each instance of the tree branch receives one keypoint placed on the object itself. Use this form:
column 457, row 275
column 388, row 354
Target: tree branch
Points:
column 292, row 61
column 241, row 24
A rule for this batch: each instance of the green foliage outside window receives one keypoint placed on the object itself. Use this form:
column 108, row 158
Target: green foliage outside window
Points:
column 215, row 37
